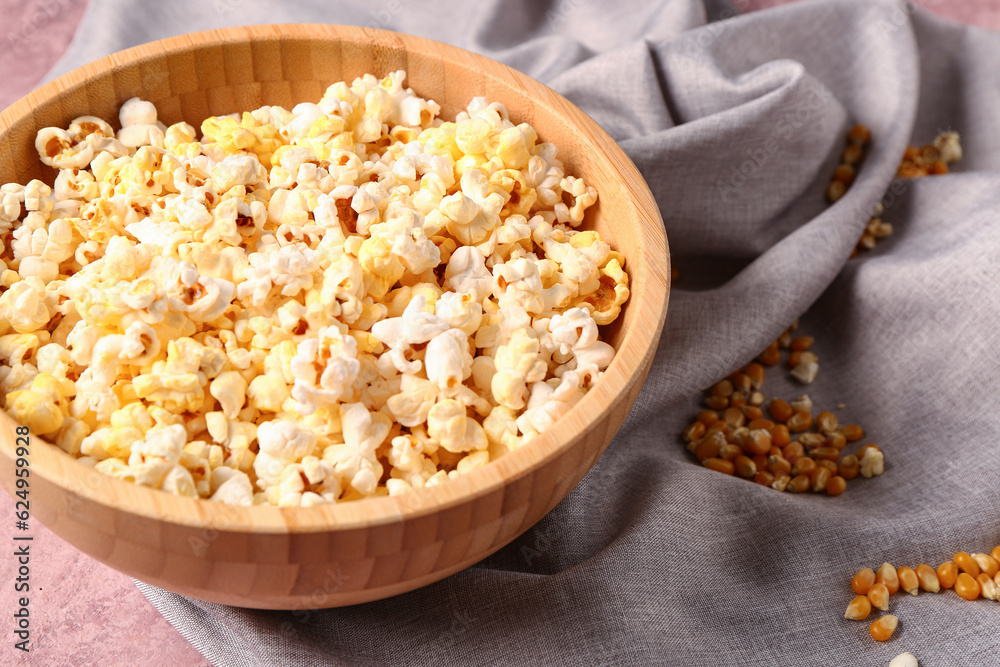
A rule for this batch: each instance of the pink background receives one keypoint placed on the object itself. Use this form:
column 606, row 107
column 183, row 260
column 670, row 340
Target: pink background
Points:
column 83, row 613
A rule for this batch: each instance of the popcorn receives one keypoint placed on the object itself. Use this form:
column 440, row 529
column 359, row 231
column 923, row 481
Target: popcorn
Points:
column 179, row 482
column 249, row 134
column 460, row 311
column 235, row 490
column 414, row 327
column 473, row 213
column 517, row 364
column 56, row 148
column 137, row 112
column 584, row 196
column 237, row 170
column 414, row 401
column 229, row 388
column 324, row 367
column 281, row 442
column 518, row 283
column 410, row 464
column 348, row 299
column 38, row 407
column 549, row 402
column 355, row 461
column 448, row 361
column 872, row 462
column 448, row 424
column 467, row 272
column 23, row 305
column 290, row 267
column 612, row 292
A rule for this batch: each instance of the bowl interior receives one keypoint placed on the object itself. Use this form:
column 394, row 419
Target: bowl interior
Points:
column 196, row 76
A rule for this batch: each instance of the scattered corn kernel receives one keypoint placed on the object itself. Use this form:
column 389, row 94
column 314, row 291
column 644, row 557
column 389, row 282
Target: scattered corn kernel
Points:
column 878, row 595
column 908, row 580
column 799, row 484
column 967, row 563
column 967, row 586
column 800, row 421
column 987, row 587
column 836, row 486
column 720, row 465
column 928, row 578
column 780, row 410
column 781, row 481
column 947, row 574
column 803, row 466
column 887, row 575
column 929, row 160
column 849, row 467
column 852, row 432
column 826, row 423
column 987, row 564
column 745, row 467
column 858, row 609
column 881, row 629
column 862, row 582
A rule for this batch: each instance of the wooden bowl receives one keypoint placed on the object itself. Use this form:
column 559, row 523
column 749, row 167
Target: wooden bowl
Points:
column 333, row 555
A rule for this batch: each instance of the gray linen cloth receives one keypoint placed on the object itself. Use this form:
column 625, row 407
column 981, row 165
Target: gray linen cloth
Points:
column 737, row 126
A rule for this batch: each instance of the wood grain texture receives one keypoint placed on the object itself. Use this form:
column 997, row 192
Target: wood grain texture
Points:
column 287, row 558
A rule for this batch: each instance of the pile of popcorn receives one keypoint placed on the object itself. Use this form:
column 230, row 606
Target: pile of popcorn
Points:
column 349, row 299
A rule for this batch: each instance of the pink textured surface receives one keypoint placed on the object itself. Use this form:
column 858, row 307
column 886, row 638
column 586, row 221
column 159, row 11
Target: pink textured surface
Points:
column 83, row 613
column 38, row 32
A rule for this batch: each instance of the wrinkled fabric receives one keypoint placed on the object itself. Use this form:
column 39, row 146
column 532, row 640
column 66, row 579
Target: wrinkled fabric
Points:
column 737, row 126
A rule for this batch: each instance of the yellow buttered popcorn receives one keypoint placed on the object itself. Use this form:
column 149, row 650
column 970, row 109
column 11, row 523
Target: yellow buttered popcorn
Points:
column 352, row 298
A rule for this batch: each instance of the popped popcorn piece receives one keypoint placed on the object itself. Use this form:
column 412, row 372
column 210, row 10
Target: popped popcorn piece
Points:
column 235, row 490
column 517, row 364
column 473, row 213
column 467, row 272
column 355, row 461
column 40, row 407
column 415, row 326
column 139, row 124
column 281, row 442
column 872, row 463
column 449, row 425
column 289, row 267
column 324, row 368
column 448, row 361
column 23, row 306
column 548, row 403
column 460, row 311
column 58, row 149
column 230, row 389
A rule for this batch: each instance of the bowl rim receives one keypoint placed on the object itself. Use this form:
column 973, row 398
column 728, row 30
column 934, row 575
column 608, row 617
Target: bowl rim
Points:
column 67, row 473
